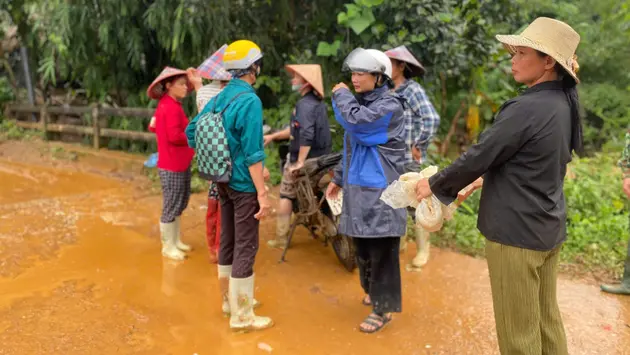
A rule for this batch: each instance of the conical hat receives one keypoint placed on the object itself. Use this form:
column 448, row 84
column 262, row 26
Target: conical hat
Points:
column 156, row 90
column 404, row 55
column 312, row 73
column 212, row 68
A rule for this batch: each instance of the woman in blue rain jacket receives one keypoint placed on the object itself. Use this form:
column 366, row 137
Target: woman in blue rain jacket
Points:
column 374, row 156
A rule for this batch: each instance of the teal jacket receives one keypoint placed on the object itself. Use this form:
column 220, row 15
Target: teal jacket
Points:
column 243, row 122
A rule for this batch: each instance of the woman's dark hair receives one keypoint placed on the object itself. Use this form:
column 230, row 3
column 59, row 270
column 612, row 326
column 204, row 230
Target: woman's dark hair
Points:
column 172, row 79
column 569, row 85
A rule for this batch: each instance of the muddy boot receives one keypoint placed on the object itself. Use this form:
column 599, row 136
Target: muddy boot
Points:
column 624, row 287
column 283, row 223
column 178, row 241
column 224, row 272
column 423, row 245
column 241, row 295
column 168, row 233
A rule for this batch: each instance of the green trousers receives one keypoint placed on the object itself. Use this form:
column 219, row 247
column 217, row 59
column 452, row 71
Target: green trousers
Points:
column 526, row 309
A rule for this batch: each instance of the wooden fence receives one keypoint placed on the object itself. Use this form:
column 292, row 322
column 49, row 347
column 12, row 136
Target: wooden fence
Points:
column 97, row 113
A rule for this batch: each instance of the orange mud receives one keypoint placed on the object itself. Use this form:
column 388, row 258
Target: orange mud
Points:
column 81, row 273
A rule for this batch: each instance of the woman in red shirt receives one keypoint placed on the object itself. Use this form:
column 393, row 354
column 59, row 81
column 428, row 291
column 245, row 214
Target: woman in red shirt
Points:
column 174, row 156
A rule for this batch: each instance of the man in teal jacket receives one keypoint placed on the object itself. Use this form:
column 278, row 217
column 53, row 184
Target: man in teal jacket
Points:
column 244, row 198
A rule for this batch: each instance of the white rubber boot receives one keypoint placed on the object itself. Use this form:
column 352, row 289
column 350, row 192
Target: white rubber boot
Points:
column 224, row 272
column 241, row 297
column 168, row 233
column 423, row 245
column 178, row 240
column 283, row 223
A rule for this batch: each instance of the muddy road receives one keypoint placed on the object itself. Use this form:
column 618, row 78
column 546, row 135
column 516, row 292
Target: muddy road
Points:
column 81, row 273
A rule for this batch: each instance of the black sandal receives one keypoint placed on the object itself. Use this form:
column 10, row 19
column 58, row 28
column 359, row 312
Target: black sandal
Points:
column 367, row 301
column 376, row 322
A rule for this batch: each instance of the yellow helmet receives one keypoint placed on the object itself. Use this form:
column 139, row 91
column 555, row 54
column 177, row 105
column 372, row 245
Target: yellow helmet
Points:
column 241, row 55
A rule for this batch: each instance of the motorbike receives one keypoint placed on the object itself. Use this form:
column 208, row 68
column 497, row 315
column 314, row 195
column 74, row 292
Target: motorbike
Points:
column 311, row 209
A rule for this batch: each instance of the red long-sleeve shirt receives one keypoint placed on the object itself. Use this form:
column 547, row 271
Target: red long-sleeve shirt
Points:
column 170, row 123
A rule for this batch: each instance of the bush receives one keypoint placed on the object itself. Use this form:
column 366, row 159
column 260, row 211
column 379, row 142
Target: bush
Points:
column 597, row 221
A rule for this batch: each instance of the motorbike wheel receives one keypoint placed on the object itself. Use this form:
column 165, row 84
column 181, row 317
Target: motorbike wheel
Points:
column 344, row 249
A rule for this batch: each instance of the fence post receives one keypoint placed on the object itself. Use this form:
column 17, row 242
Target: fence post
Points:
column 96, row 127
column 43, row 118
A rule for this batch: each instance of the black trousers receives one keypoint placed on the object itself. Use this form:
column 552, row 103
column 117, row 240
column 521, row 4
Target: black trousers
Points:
column 239, row 230
column 379, row 271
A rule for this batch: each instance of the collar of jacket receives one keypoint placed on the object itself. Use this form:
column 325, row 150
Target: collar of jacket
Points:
column 373, row 95
column 545, row 85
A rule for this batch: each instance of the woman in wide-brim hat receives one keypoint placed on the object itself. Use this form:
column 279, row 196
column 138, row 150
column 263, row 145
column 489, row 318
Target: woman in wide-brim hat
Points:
column 169, row 123
column 309, row 131
column 523, row 158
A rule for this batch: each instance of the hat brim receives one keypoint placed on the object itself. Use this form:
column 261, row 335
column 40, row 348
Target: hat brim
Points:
column 311, row 73
column 156, row 90
column 510, row 42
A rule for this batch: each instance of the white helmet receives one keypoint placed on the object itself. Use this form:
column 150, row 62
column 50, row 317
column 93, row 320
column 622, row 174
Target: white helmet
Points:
column 369, row 61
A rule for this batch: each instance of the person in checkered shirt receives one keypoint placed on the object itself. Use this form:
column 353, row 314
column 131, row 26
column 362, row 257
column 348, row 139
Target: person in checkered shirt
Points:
column 421, row 124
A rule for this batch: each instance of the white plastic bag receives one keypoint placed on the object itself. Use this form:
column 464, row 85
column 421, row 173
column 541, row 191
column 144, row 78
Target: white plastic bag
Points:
column 430, row 212
column 336, row 203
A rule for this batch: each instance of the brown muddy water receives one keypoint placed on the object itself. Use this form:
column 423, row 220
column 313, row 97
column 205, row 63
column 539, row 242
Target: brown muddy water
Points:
column 81, row 273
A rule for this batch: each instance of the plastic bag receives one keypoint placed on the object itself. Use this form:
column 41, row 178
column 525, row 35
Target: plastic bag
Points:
column 430, row 212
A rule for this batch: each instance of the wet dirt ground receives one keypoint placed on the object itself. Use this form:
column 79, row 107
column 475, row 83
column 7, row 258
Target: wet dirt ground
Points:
column 81, row 273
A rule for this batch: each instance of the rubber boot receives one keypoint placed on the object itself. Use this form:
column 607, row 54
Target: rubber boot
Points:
column 213, row 229
column 283, row 223
column 178, row 241
column 423, row 245
column 224, row 272
column 624, row 287
column 242, row 318
column 168, row 233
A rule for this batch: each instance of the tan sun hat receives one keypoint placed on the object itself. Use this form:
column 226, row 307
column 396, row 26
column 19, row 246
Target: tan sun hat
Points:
column 552, row 37
column 312, row 73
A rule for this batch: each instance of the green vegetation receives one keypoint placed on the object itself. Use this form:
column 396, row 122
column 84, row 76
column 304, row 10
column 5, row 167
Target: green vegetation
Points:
column 109, row 51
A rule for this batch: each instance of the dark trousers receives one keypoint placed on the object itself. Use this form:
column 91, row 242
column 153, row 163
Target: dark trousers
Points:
column 239, row 230
column 379, row 272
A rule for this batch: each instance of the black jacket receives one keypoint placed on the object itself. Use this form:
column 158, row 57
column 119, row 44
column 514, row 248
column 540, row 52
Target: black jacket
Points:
column 523, row 159
column 310, row 127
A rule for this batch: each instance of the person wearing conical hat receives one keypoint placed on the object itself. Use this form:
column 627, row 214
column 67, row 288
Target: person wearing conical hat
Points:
column 243, row 196
column 309, row 132
column 169, row 123
column 421, row 125
column 523, row 159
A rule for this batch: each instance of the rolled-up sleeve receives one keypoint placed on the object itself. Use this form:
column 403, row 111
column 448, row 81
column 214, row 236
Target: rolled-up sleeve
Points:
column 511, row 130
column 250, row 122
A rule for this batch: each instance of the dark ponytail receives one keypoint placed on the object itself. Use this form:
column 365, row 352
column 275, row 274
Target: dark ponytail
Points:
column 569, row 86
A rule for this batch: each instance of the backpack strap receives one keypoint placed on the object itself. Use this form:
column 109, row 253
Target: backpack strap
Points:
column 228, row 104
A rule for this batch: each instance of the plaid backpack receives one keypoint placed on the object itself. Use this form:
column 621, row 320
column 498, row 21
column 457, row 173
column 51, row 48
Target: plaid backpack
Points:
column 213, row 153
